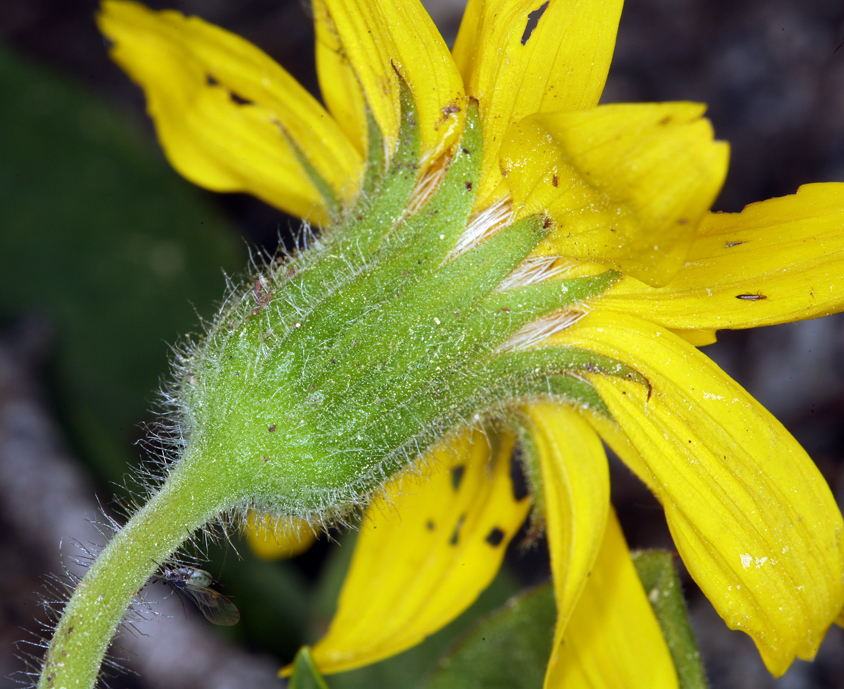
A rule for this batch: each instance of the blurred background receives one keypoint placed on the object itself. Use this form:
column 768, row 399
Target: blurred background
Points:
column 107, row 258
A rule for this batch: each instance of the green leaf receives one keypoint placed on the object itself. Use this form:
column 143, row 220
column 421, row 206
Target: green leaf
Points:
column 661, row 583
column 305, row 673
column 510, row 649
column 109, row 245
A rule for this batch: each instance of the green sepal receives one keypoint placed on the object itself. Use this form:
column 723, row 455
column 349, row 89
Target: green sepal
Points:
column 327, row 399
column 559, row 359
column 410, row 255
column 432, row 227
column 539, row 299
column 659, row 578
column 425, row 312
column 323, row 187
column 305, row 673
column 345, row 248
column 360, row 232
column 509, row 649
column 376, row 161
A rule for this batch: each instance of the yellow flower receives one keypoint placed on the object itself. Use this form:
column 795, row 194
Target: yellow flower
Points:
column 622, row 186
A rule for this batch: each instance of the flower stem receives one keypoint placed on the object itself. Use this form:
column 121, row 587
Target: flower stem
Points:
column 186, row 501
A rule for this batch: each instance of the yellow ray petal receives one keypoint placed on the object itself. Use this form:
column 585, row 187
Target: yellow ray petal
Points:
column 513, row 71
column 222, row 107
column 426, row 552
column 380, row 38
column 774, row 262
column 576, row 490
column 613, row 639
column 625, row 184
column 277, row 539
column 338, row 83
column 751, row 515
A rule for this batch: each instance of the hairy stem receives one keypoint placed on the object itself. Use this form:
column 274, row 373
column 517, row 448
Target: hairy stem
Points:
column 89, row 621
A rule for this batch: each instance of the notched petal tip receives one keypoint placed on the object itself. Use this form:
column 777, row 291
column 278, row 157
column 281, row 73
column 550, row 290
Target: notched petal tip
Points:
column 219, row 105
column 381, row 43
column 626, row 184
column 753, row 519
column 525, row 56
column 775, row 262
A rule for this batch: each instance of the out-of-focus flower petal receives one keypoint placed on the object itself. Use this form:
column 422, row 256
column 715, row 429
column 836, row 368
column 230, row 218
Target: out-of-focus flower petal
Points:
column 626, row 185
column 224, row 111
column 276, row 539
column 775, row 262
column 754, row 520
column 380, row 40
column 528, row 56
column 613, row 639
column 425, row 552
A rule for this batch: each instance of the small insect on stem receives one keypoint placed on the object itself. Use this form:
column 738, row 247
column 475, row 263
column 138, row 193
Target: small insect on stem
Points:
column 196, row 585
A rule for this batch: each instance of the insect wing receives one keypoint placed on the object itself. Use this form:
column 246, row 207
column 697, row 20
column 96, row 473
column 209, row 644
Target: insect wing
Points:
column 215, row 606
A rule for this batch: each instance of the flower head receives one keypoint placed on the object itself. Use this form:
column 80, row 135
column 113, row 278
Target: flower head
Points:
column 588, row 328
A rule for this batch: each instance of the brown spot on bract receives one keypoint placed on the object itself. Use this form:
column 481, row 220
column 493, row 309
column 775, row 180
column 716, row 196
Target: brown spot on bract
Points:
column 468, row 186
column 495, row 537
column 430, row 525
column 555, row 181
column 271, row 429
column 665, row 120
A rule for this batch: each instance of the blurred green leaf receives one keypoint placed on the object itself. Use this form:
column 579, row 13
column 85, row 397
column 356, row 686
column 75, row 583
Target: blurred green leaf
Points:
column 102, row 238
column 661, row 583
column 305, row 673
column 509, row 649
